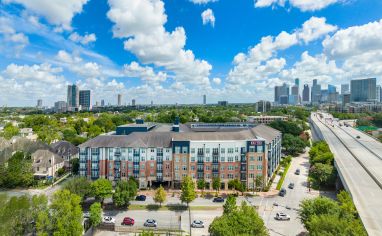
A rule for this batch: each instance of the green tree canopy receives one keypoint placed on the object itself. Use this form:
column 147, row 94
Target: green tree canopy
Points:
column 80, row 186
column 216, row 183
column 160, row 195
column 125, row 191
column 188, row 190
column 101, row 189
column 95, row 214
column 17, row 171
column 229, row 205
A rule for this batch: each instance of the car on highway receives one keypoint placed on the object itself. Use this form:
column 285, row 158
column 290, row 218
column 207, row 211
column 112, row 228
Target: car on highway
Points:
column 197, row 224
column 358, row 137
column 141, row 198
column 128, row 221
column 218, row 199
column 297, row 172
column 282, row 192
column 282, row 216
column 150, row 223
column 291, row 186
column 108, row 220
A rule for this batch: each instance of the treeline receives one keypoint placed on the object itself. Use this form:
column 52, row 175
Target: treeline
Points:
column 322, row 172
column 17, row 171
column 295, row 139
column 363, row 119
column 324, row 216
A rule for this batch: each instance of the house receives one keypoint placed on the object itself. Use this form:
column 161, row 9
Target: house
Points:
column 46, row 163
column 28, row 133
column 65, row 150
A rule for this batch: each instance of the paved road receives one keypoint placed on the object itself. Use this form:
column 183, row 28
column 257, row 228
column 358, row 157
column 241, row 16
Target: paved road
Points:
column 366, row 193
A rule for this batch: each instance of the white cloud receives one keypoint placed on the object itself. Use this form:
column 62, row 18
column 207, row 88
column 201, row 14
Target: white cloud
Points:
column 354, row 40
column 202, row 1
column 86, row 39
column 145, row 73
column 58, row 13
column 303, row 5
column 208, row 17
column 11, row 39
column 217, row 81
column 142, row 23
column 259, row 63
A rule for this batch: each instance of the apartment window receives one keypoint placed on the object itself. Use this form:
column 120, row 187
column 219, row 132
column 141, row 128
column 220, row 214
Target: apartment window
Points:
column 236, row 149
column 177, row 159
column 222, row 158
column 251, row 176
column 192, row 159
column 207, row 176
column 200, row 151
column 177, row 149
column 184, row 159
column 251, row 167
column 251, row 148
column 236, row 158
column 230, row 159
column 142, row 167
column 129, row 150
column 176, row 167
column 208, row 159
column 192, row 167
column 222, row 176
column 215, row 150
column 222, row 150
column 167, row 158
column 143, row 159
column 151, row 165
column 207, row 150
column 222, row 168
column 185, row 149
column 167, row 149
column 176, row 176
column 193, row 176
column 259, row 158
column 230, row 150
column 207, row 167
column 259, row 167
column 184, row 167
column 192, row 150
column 167, row 166
column 251, row 158
column 260, row 148
column 184, row 175
column 152, row 150
column 230, row 176
column 230, row 167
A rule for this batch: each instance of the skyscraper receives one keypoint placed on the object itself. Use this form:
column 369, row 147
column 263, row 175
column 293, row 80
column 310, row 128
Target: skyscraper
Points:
column 85, row 100
column 345, row 88
column 204, row 99
column 119, row 100
column 73, row 98
column 60, row 107
column 294, row 95
column 305, row 94
column 282, row 91
column 102, row 103
column 363, row 90
column 378, row 93
column 133, row 102
column 39, row 103
column 315, row 93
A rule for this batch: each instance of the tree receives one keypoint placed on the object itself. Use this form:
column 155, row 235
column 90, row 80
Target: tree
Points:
column 201, row 184
column 80, row 186
column 95, row 214
column 61, row 171
column 323, row 174
column 66, row 213
column 293, row 145
column 160, row 195
column 259, row 182
column 216, row 183
column 242, row 221
column 188, row 194
column 94, row 131
column 316, row 206
column 10, row 131
column 230, row 205
column 17, row 172
column 125, row 191
column 75, row 165
column 101, row 189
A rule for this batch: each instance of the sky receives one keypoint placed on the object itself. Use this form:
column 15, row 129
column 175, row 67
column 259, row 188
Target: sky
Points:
column 174, row 51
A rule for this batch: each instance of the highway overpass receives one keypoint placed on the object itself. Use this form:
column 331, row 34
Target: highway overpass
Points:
column 359, row 164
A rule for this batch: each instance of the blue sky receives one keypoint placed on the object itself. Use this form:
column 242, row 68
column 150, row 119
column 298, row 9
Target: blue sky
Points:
column 177, row 50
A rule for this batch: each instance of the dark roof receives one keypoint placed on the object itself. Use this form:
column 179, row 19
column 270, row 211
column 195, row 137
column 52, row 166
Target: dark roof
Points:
column 164, row 139
column 64, row 148
column 41, row 158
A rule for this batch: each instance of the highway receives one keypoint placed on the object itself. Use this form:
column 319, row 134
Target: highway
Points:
column 359, row 166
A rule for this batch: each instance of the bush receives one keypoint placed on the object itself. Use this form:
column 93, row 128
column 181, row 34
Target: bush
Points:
column 61, row 171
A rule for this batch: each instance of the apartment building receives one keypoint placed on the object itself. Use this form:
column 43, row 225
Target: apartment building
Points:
column 201, row 151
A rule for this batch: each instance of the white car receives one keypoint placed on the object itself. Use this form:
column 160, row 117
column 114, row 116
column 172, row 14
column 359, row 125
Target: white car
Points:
column 197, row 224
column 150, row 223
column 108, row 220
column 282, row 216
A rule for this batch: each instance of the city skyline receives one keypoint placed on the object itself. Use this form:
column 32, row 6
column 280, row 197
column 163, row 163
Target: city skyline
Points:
column 89, row 44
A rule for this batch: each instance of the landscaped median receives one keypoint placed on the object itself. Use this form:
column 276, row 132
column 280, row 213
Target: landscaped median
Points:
column 285, row 163
column 171, row 207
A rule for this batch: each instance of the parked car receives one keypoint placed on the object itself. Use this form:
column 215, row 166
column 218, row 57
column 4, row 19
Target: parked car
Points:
column 275, row 204
column 150, row 223
column 291, row 186
column 141, row 198
column 282, row 192
column 297, row 172
column 127, row 221
column 197, row 224
column 108, row 220
column 358, row 137
column 282, row 216
column 218, row 199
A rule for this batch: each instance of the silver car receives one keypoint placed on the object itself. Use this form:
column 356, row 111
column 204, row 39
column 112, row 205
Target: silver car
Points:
column 150, row 223
column 197, row 224
column 282, row 216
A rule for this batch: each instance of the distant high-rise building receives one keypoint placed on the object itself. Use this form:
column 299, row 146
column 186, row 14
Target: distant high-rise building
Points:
column 119, row 100
column 297, row 82
column 204, row 99
column 315, row 93
column 102, row 103
column 294, row 97
column 85, row 100
column 222, row 103
column 378, row 93
column 60, row 107
column 281, row 91
column 39, row 103
column 97, row 104
column 152, row 102
column 305, row 94
column 345, row 88
column 133, row 102
column 73, row 98
column 263, row 106
column 345, row 99
column 363, row 90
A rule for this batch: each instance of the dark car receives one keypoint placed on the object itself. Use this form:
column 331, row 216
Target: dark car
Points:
column 282, row 192
column 358, row 136
column 297, row 172
column 291, row 186
column 128, row 221
column 140, row 198
column 218, row 199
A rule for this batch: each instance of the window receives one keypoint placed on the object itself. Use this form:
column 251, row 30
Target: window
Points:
column 142, row 167
column 177, row 149
column 151, row 165
column 251, row 148
column 185, row 149
column 222, row 150
column 192, row 159
column 230, row 159
column 207, row 167
column 236, row 149
column 143, row 158
column 192, row 167
column 230, row 167
column 222, row 168
column 192, row 150
column 259, row 158
column 207, row 150
column 184, row 167
column 184, row 159
column 200, row 151
column 208, row 159
column 230, row 150
column 251, row 167
column 152, row 150
column 215, row 151
column 222, row 176
column 207, row 176
column 251, row 176
column 230, row 176
column 259, row 167
column 177, row 159
column 260, row 148
column 252, row 158
column 222, row 158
